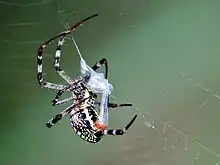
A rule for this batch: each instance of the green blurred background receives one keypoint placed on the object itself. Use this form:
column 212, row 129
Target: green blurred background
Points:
column 162, row 55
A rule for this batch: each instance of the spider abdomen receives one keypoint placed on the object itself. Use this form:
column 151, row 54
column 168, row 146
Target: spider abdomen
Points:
column 83, row 122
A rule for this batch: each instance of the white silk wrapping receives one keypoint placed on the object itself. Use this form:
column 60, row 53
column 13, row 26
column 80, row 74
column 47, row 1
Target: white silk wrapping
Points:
column 98, row 84
column 96, row 81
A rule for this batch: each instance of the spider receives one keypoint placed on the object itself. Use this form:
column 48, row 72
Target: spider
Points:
column 84, row 118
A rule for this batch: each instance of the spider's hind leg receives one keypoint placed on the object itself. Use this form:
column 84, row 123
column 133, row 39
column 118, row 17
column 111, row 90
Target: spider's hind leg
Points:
column 120, row 131
column 40, row 79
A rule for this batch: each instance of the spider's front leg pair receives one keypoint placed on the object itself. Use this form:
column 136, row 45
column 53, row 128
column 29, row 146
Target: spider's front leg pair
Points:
column 40, row 79
column 56, row 65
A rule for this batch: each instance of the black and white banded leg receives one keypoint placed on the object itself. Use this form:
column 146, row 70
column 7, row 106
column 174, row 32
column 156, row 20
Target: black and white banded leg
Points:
column 40, row 79
column 60, row 115
column 114, row 132
column 63, row 101
column 60, row 71
column 71, row 87
column 114, row 105
column 56, row 100
column 103, row 61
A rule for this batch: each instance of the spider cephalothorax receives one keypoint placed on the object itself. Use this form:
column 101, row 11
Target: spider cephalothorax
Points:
column 88, row 116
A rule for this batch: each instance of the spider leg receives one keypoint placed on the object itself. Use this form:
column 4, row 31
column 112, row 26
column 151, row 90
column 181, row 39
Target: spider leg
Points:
column 71, row 87
column 40, row 79
column 103, row 61
column 63, row 101
column 104, row 113
column 60, row 115
column 120, row 131
column 114, row 105
column 57, row 62
column 56, row 99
